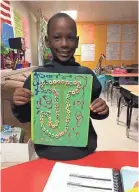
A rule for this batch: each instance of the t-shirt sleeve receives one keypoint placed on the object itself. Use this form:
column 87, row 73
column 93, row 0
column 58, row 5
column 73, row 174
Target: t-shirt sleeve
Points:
column 96, row 88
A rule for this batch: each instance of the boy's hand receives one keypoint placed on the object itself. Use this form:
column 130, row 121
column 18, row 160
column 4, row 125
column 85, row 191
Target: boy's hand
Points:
column 99, row 106
column 21, row 96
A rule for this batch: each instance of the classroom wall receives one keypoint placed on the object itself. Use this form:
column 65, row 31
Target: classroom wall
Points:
column 22, row 9
column 100, row 41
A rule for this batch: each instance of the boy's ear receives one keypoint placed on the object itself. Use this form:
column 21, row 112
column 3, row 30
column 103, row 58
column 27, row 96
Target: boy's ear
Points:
column 77, row 42
column 46, row 41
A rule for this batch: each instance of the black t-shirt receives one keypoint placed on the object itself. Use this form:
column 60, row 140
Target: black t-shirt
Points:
column 23, row 114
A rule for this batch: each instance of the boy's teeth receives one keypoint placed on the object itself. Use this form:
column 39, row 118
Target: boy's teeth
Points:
column 64, row 53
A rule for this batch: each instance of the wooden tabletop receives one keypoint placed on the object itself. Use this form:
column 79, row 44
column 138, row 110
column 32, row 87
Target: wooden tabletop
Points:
column 131, row 88
column 135, row 93
column 123, row 75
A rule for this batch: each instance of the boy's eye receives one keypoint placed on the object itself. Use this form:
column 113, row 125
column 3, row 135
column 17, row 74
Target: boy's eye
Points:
column 56, row 37
column 71, row 38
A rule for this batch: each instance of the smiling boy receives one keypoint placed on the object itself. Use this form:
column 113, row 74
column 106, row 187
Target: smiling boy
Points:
column 63, row 41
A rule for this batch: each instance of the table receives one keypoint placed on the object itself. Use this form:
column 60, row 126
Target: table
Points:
column 133, row 104
column 130, row 88
column 115, row 79
column 130, row 93
column 130, row 69
column 136, row 93
column 135, row 96
column 32, row 176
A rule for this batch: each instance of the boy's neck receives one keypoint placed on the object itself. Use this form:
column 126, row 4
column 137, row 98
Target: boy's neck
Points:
column 71, row 61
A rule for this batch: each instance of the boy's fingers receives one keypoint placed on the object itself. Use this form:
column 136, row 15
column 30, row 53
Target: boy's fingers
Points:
column 19, row 103
column 103, row 112
column 23, row 94
column 100, row 109
column 96, row 101
column 20, row 99
column 97, row 105
column 21, row 90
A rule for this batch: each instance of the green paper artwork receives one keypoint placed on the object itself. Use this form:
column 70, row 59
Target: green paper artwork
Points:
column 60, row 108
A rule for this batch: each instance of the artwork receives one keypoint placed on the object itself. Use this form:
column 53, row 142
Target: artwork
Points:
column 113, row 51
column 7, row 33
column 87, row 52
column 18, row 24
column 60, row 108
column 129, row 33
column 114, row 33
column 128, row 51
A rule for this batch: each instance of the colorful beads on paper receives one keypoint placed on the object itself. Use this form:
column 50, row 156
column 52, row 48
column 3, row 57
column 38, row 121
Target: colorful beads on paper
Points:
column 55, row 125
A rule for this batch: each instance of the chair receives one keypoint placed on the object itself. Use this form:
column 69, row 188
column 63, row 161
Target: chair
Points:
column 108, row 82
column 115, row 85
column 129, row 104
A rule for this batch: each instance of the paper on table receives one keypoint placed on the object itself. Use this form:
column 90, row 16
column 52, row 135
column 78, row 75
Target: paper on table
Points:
column 64, row 177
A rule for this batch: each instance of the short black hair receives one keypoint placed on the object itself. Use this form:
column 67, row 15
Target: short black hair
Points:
column 60, row 15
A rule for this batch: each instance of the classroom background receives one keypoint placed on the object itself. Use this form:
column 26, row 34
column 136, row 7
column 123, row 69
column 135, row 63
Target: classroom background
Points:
column 108, row 28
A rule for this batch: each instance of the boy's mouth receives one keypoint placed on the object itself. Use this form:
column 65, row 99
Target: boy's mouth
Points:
column 64, row 53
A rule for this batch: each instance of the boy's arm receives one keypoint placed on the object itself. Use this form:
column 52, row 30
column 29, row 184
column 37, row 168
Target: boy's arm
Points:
column 96, row 91
column 23, row 112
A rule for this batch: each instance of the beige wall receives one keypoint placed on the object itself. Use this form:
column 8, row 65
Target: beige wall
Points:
column 22, row 9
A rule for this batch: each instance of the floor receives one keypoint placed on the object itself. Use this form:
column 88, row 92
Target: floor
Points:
column 110, row 135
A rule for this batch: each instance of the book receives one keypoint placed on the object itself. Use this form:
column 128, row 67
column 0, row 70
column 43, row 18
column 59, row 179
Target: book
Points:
column 11, row 134
column 74, row 178
column 60, row 108
column 130, row 179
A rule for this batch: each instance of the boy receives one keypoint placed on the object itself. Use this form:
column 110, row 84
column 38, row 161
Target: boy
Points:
column 63, row 41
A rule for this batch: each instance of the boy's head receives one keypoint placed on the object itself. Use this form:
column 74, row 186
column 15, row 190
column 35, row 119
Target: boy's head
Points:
column 62, row 36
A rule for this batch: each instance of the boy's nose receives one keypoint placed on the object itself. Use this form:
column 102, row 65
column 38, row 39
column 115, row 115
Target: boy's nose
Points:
column 64, row 42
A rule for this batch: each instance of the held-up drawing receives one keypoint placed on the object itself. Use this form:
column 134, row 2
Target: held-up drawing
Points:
column 60, row 108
